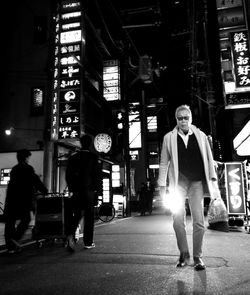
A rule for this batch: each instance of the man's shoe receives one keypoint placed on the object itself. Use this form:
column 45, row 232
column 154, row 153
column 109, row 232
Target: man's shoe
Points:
column 89, row 246
column 199, row 264
column 183, row 259
column 71, row 244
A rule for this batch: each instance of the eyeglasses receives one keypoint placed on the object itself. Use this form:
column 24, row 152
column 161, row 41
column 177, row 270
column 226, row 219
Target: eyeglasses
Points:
column 186, row 118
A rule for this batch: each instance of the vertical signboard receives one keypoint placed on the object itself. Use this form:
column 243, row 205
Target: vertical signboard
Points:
column 111, row 80
column 241, row 55
column 235, row 189
column 67, row 93
column 234, row 47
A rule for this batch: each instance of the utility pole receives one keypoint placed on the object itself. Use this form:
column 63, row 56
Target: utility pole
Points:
column 201, row 75
column 126, row 154
column 209, row 86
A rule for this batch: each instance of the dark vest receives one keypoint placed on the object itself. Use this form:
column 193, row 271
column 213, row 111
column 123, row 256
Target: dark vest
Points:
column 189, row 159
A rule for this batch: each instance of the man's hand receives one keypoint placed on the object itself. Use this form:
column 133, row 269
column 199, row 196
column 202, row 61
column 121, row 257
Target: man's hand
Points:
column 162, row 191
column 215, row 191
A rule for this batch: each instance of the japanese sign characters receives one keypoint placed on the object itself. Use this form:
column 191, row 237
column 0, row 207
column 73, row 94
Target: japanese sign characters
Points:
column 69, row 42
column 241, row 58
column 235, row 188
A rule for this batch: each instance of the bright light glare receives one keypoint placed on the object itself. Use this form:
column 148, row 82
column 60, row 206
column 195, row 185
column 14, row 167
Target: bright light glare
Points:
column 173, row 201
column 8, row 131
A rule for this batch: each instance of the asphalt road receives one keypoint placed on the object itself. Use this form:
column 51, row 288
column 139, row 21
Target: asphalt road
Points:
column 135, row 255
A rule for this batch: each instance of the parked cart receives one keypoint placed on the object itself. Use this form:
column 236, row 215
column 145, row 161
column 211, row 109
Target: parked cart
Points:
column 53, row 214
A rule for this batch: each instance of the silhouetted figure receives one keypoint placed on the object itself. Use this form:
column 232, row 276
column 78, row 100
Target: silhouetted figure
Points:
column 149, row 197
column 143, row 199
column 19, row 203
column 83, row 177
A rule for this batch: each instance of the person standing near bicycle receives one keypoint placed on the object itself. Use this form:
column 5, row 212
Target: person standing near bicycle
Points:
column 19, row 203
column 83, row 177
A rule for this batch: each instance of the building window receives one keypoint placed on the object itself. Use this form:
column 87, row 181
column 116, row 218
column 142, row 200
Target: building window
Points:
column 37, row 101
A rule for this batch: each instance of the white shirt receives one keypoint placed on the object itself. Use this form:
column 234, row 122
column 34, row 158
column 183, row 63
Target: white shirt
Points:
column 185, row 137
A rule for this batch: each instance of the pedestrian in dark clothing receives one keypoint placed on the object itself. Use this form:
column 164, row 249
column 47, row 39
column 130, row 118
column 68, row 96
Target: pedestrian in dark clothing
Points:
column 150, row 194
column 19, row 203
column 143, row 199
column 83, row 177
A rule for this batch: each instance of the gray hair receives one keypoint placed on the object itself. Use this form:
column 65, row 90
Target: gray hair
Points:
column 181, row 108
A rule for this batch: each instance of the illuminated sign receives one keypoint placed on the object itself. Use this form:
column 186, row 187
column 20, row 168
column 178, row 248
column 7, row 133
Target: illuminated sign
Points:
column 152, row 123
column 69, row 114
column 106, row 190
column 134, row 155
column 69, row 60
column 37, row 101
column 234, row 49
column 102, row 143
column 235, row 188
column 70, row 71
column 134, row 130
column 238, row 100
column 70, row 95
column 241, row 55
column 71, row 36
column 66, row 99
column 242, row 141
column 116, row 176
column 71, row 5
column 69, row 132
column 70, row 26
column 70, row 48
column 111, row 80
column 71, row 15
column 69, row 83
column 5, row 176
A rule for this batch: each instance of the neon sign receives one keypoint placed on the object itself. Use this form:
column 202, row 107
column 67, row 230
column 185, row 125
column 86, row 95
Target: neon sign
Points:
column 235, row 188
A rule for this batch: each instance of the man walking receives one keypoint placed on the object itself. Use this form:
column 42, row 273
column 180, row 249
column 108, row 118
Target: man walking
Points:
column 83, row 178
column 23, row 185
column 187, row 169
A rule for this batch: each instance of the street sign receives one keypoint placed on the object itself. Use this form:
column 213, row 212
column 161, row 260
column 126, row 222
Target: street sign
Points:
column 235, row 189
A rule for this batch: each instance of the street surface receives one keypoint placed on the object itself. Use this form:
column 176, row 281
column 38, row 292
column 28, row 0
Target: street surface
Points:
column 135, row 255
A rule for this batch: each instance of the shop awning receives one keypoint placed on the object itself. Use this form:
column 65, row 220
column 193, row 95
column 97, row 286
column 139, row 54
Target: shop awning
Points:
column 242, row 141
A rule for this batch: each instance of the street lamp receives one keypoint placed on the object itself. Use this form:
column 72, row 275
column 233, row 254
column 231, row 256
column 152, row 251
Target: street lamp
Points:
column 9, row 131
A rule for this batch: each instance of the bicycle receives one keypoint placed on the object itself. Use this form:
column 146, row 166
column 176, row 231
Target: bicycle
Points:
column 1, row 212
column 106, row 212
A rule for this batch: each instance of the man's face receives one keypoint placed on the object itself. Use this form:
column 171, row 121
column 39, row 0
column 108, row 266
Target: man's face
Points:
column 184, row 120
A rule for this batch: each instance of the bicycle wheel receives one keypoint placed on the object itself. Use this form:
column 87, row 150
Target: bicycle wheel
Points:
column 1, row 213
column 106, row 212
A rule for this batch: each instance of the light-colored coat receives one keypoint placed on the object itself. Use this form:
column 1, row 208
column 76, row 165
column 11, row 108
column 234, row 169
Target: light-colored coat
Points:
column 169, row 167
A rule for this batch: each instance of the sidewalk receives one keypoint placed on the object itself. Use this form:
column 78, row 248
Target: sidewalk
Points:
column 27, row 238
